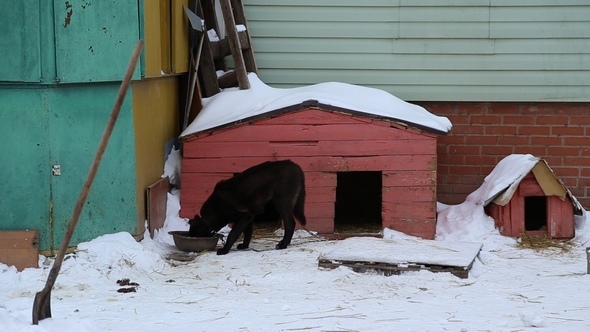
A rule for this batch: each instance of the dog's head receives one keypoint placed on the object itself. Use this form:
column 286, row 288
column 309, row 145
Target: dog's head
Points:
column 199, row 228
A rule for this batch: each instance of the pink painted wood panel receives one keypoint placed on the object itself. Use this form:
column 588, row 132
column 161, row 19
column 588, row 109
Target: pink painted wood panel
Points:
column 317, row 164
column 321, row 225
column 392, row 211
column 409, row 178
column 323, row 143
column 290, row 149
column 560, row 218
column 530, row 187
column 409, row 194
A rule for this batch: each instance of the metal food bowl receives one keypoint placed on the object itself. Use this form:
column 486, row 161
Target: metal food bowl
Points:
column 185, row 242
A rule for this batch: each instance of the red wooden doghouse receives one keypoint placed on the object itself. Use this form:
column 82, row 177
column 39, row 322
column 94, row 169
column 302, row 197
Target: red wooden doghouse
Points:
column 540, row 205
column 358, row 166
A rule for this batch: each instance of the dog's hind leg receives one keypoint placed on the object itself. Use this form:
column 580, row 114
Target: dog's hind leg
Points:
column 247, row 237
column 289, row 225
column 298, row 209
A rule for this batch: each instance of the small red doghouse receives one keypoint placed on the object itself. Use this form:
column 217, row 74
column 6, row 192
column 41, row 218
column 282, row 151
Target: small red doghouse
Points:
column 359, row 167
column 540, row 205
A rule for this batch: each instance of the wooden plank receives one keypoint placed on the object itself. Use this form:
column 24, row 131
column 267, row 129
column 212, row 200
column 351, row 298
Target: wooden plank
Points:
column 320, row 179
column 319, row 210
column 409, row 194
column 530, row 187
column 394, row 211
column 326, row 164
column 402, row 255
column 517, row 214
column 157, row 199
column 409, row 178
column 234, row 44
column 560, row 218
column 392, row 269
column 320, row 225
column 19, row 248
column 267, row 130
column 247, row 51
column 305, row 148
column 207, row 70
column 425, row 229
column 321, row 194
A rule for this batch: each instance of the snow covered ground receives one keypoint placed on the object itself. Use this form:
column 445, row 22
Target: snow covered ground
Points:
column 509, row 289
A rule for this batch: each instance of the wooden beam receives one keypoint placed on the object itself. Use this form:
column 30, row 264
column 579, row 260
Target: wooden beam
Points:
column 234, row 44
column 248, row 53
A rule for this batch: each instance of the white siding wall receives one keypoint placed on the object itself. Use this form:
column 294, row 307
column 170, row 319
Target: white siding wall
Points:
column 428, row 50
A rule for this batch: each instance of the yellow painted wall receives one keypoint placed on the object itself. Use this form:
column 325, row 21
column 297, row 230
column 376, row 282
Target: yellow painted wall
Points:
column 179, row 37
column 166, row 37
column 155, row 121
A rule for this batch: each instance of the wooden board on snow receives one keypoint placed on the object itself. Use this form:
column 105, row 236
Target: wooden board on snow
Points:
column 395, row 256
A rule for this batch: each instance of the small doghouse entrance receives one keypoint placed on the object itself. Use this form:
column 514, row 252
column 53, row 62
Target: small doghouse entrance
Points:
column 535, row 213
column 358, row 202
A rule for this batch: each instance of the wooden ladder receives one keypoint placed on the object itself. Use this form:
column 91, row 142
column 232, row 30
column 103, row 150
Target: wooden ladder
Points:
column 237, row 43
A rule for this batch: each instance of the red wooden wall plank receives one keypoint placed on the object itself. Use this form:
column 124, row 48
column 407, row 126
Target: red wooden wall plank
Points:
column 289, row 149
column 409, row 194
column 560, row 218
column 324, row 164
column 409, row 178
column 530, row 187
column 395, row 213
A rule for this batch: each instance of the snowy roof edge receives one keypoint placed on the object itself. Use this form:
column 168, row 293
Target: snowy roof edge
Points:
column 312, row 103
column 234, row 105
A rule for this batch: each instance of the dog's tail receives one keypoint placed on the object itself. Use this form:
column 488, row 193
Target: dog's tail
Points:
column 298, row 209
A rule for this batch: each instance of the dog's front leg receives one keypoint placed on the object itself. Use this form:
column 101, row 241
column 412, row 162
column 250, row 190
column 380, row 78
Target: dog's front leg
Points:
column 247, row 236
column 232, row 237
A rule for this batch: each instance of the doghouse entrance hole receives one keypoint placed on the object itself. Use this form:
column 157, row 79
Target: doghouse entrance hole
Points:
column 358, row 202
column 535, row 213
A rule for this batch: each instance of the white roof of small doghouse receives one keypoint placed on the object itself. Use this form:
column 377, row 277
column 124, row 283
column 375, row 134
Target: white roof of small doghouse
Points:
column 233, row 105
column 499, row 186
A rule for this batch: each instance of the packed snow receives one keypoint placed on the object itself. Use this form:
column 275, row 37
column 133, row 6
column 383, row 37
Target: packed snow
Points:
column 233, row 105
column 508, row 288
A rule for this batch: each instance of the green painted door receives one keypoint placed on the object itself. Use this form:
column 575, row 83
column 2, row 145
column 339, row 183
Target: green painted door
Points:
column 26, row 180
column 20, row 42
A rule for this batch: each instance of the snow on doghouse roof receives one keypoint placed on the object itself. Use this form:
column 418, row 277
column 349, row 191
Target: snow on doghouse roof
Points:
column 233, row 105
column 499, row 186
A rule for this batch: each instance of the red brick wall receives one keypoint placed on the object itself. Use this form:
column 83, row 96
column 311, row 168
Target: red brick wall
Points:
column 484, row 133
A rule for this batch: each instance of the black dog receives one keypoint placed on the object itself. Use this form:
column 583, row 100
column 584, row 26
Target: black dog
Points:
column 239, row 200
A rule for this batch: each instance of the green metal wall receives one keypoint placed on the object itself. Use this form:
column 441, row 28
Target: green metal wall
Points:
column 428, row 50
column 58, row 41
column 62, row 125
column 45, row 122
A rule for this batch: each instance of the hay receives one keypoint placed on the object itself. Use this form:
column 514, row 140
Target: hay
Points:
column 540, row 243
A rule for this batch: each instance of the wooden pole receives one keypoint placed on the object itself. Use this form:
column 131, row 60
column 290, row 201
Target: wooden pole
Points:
column 234, row 44
column 42, row 303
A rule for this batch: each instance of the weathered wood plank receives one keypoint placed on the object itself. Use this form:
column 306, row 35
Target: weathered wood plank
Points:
column 393, row 269
column 402, row 255
column 409, row 194
column 325, row 164
column 396, row 211
column 288, row 148
column 157, row 199
column 19, row 248
column 409, row 178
